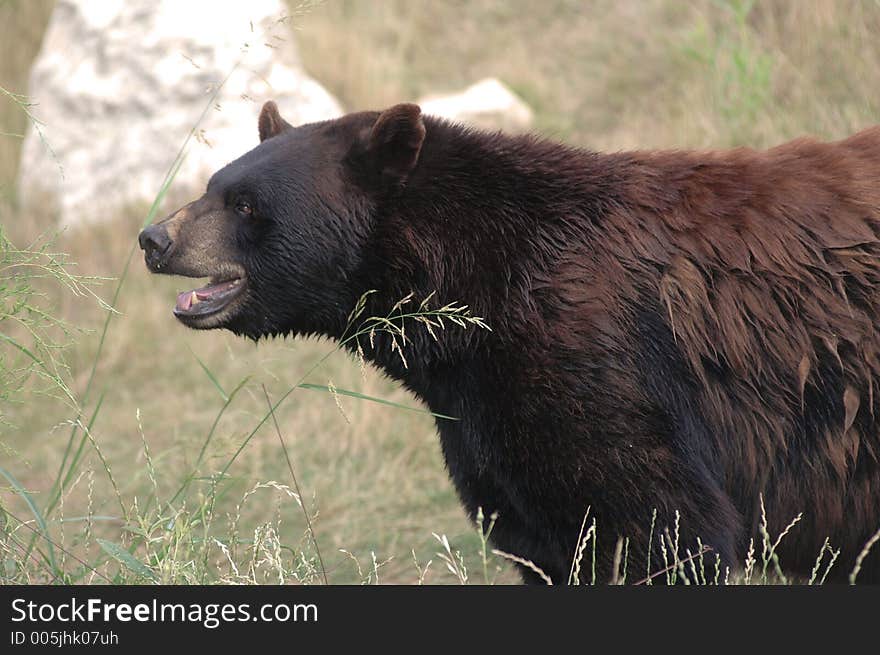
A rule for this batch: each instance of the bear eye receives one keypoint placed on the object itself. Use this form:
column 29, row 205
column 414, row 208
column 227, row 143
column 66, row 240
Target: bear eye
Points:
column 244, row 208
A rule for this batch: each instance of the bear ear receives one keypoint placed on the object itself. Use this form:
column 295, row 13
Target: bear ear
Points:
column 396, row 139
column 271, row 124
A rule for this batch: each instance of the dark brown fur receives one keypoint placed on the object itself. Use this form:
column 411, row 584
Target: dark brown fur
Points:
column 767, row 265
column 768, row 271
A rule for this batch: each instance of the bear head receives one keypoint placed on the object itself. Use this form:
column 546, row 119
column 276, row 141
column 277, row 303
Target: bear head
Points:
column 281, row 231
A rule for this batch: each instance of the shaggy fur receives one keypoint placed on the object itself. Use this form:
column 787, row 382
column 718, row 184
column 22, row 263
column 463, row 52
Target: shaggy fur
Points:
column 679, row 331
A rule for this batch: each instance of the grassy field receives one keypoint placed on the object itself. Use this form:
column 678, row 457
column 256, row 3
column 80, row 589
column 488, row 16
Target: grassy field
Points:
column 605, row 75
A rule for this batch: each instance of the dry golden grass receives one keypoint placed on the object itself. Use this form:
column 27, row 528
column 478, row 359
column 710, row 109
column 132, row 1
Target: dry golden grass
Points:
column 609, row 75
column 603, row 74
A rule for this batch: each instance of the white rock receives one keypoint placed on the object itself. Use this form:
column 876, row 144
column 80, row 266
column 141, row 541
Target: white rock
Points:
column 119, row 85
column 488, row 104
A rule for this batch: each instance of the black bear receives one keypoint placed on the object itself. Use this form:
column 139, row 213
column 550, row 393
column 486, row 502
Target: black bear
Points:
column 676, row 338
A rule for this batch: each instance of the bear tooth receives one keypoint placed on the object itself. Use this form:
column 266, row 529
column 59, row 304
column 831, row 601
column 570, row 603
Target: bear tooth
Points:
column 194, row 298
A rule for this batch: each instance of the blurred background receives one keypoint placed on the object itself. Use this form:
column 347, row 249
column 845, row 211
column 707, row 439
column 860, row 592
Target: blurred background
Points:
column 103, row 422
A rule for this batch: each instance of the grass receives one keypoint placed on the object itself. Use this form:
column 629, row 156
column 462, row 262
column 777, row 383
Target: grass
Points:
column 611, row 75
column 26, row 21
column 151, row 455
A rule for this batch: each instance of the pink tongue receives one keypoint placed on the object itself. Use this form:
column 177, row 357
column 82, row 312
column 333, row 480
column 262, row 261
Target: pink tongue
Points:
column 185, row 298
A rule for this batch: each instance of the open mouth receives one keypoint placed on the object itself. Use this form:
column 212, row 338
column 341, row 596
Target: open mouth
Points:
column 208, row 299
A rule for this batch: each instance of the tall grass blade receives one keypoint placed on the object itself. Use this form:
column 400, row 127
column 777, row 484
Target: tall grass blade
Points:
column 302, row 503
column 128, row 560
column 21, row 491
column 211, row 376
column 372, row 399
column 189, row 478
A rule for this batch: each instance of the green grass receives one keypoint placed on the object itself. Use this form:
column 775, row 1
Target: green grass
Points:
column 134, row 450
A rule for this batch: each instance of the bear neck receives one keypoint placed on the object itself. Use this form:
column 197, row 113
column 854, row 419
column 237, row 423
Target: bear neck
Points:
column 481, row 220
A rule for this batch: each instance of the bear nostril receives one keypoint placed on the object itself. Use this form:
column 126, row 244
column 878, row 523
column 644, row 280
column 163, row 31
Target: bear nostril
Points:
column 154, row 241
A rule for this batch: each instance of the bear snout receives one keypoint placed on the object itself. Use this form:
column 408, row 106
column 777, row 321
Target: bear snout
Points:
column 156, row 244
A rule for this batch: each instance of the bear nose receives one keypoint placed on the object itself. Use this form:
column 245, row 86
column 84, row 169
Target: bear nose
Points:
column 155, row 243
